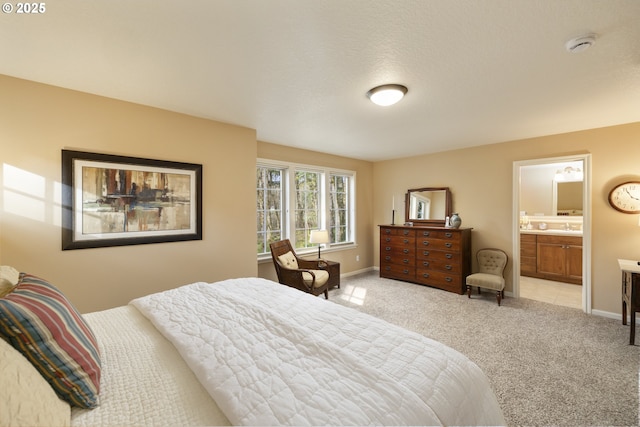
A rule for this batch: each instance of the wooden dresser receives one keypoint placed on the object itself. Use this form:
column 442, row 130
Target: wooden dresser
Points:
column 433, row 256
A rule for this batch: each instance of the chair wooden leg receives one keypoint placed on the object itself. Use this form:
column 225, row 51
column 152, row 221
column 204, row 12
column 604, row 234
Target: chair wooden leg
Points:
column 479, row 291
column 469, row 291
column 326, row 294
column 499, row 297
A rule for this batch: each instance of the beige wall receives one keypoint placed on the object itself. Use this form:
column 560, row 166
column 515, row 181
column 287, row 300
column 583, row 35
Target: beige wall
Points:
column 38, row 121
column 480, row 179
column 364, row 201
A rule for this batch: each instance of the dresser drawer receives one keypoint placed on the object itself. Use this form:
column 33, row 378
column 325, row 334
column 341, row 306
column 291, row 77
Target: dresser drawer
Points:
column 390, row 231
column 399, row 259
column 394, row 271
column 439, row 234
column 448, row 281
column 439, row 264
column 398, row 241
column 438, row 244
column 397, row 250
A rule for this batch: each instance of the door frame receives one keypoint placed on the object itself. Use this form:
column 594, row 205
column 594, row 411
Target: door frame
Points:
column 586, row 222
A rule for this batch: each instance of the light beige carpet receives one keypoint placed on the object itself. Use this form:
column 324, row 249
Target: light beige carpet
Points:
column 548, row 365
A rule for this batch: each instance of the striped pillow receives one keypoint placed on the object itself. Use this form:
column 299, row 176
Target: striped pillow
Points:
column 39, row 321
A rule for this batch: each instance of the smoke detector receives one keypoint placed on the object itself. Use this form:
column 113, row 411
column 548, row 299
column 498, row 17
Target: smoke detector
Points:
column 580, row 44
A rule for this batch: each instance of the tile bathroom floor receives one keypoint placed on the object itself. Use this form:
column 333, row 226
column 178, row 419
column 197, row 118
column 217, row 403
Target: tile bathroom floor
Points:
column 557, row 293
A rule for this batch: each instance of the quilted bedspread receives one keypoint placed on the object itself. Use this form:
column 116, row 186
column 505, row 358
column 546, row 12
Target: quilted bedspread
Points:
column 272, row 355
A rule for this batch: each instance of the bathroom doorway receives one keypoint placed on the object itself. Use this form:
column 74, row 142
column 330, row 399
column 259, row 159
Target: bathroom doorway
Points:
column 542, row 213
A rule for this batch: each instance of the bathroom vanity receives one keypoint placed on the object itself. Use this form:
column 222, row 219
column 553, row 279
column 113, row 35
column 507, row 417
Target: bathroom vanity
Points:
column 552, row 255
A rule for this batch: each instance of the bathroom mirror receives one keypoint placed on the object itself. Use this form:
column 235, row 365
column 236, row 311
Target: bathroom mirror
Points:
column 428, row 205
column 567, row 198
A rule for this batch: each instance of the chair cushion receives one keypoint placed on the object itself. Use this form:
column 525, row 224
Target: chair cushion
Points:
column 487, row 281
column 321, row 278
column 491, row 261
column 289, row 261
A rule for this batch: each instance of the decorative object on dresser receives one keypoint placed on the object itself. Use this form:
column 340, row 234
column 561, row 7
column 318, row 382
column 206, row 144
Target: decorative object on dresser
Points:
column 490, row 275
column 433, row 256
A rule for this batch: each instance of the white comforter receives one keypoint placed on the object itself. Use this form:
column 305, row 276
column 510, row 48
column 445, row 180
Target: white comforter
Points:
column 271, row 355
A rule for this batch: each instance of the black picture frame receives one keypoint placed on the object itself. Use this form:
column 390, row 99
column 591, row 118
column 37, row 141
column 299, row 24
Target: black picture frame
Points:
column 110, row 200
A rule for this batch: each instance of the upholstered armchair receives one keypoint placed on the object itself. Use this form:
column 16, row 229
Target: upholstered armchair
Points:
column 302, row 274
column 491, row 265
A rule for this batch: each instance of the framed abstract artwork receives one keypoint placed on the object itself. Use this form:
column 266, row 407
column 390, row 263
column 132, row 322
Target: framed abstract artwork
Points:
column 110, row 200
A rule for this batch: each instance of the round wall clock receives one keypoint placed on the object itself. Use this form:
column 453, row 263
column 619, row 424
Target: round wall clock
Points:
column 625, row 197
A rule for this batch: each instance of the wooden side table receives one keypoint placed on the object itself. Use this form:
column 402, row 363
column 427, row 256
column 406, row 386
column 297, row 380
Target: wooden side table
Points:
column 333, row 268
column 630, row 293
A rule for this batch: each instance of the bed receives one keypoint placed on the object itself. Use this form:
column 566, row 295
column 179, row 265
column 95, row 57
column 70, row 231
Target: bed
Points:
column 250, row 351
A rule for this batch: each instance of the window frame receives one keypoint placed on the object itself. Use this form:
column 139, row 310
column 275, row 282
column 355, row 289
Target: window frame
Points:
column 289, row 170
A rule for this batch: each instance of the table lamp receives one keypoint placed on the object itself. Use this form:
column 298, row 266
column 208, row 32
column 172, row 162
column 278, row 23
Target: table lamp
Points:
column 319, row 237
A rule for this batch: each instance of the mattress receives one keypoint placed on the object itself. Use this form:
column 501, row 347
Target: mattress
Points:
column 145, row 381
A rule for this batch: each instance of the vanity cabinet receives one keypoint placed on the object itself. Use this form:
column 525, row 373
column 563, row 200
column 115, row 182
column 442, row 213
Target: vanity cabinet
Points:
column 551, row 257
column 560, row 258
column 434, row 256
column 528, row 257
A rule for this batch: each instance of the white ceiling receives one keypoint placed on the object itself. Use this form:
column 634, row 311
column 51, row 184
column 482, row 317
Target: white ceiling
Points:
column 297, row 71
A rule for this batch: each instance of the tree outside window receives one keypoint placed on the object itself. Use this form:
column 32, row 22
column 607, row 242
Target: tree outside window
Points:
column 270, row 205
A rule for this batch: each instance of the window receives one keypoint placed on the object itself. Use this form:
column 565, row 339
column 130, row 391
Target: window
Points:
column 339, row 208
column 307, row 208
column 270, row 206
column 294, row 199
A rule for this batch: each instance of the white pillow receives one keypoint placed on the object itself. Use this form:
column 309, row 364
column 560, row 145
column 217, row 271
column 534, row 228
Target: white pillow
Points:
column 9, row 277
column 289, row 261
column 26, row 398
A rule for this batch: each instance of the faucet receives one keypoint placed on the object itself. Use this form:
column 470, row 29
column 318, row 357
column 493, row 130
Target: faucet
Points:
column 567, row 226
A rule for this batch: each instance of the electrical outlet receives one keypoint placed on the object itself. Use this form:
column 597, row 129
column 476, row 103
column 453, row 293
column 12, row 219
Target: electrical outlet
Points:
column 357, row 257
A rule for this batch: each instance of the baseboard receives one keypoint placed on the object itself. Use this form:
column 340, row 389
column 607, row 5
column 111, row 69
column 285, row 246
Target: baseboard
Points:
column 353, row 273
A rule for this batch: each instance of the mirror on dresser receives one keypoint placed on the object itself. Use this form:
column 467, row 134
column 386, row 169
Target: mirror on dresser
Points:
column 427, row 205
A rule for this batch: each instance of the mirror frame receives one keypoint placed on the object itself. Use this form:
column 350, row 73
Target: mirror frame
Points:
column 428, row 222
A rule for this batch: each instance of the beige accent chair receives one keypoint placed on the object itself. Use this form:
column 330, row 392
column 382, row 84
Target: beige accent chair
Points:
column 306, row 275
column 491, row 265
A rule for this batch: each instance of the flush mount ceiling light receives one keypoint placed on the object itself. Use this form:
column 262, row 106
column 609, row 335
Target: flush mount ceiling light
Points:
column 580, row 44
column 386, row 95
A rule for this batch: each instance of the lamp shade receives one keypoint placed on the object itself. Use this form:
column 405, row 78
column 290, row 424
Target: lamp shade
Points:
column 319, row 236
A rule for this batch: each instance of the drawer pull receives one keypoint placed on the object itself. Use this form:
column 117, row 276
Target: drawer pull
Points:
column 448, row 244
column 406, row 232
column 387, row 258
column 425, row 275
column 448, row 279
column 388, row 268
column 387, row 231
column 425, row 263
column 426, row 233
column 406, row 240
column 425, row 242
column 449, row 256
column 405, row 271
column 425, row 253
column 448, row 234
column 387, row 248
column 388, row 239
column 406, row 261
column 448, row 267
column 406, row 251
